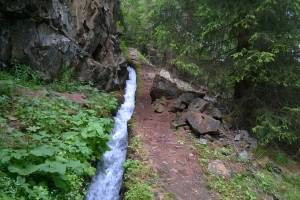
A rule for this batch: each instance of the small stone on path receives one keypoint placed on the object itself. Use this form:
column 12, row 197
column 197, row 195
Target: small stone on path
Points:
column 203, row 141
column 244, row 155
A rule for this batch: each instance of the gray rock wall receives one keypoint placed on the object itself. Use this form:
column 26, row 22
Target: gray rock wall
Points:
column 50, row 34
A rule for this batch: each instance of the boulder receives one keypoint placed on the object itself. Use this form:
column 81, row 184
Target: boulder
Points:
column 159, row 105
column 159, row 108
column 218, row 168
column 178, row 107
column 179, row 121
column 198, row 105
column 187, row 97
column 50, row 35
column 166, row 85
column 162, row 87
column 210, row 99
column 213, row 112
column 244, row 140
column 203, row 124
column 183, row 101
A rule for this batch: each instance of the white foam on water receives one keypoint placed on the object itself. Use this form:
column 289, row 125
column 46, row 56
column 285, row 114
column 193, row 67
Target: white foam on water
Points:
column 107, row 183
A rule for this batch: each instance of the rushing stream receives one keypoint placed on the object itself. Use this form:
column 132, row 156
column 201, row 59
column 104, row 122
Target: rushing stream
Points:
column 106, row 185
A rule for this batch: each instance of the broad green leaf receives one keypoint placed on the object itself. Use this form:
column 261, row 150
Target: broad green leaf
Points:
column 24, row 169
column 44, row 151
column 53, row 167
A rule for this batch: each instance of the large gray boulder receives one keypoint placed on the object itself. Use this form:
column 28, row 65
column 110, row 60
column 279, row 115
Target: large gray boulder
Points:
column 183, row 101
column 214, row 112
column 203, row 124
column 164, row 85
column 50, row 34
column 198, row 105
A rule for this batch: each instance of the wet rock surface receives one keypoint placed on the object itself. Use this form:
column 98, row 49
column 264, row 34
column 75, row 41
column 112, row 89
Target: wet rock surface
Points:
column 48, row 35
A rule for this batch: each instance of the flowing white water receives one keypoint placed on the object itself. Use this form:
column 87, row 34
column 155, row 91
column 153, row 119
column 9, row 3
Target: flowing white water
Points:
column 106, row 185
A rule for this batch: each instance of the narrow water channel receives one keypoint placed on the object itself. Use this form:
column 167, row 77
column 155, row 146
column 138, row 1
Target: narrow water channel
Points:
column 107, row 183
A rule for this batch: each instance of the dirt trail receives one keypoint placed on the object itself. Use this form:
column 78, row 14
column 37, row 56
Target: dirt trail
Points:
column 170, row 153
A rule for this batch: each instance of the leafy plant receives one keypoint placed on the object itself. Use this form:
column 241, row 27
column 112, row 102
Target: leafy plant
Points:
column 48, row 144
column 139, row 191
column 189, row 69
column 65, row 81
column 137, row 176
column 6, row 88
column 278, row 127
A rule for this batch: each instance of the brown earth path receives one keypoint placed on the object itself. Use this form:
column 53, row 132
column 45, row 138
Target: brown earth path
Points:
column 169, row 152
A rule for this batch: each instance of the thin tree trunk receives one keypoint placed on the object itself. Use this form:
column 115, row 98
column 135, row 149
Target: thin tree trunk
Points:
column 243, row 87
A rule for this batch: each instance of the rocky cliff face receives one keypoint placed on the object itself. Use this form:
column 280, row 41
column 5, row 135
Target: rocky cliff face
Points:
column 49, row 34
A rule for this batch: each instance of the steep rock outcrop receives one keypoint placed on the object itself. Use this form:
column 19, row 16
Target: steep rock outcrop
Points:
column 49, row 34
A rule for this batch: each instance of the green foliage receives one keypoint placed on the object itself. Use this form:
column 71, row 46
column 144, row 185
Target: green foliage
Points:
column 48, row 143
column 188, row 69
column 25, row 73
column 139, row 192
column 236, row 188
column 278, row 127
column 65, row 81
column 136, row 177
column 4, row 101
column 19, row 75
column 7, row 87
column 139, row 178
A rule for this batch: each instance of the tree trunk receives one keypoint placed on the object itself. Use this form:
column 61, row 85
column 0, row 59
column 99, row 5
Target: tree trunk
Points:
column 243, row 87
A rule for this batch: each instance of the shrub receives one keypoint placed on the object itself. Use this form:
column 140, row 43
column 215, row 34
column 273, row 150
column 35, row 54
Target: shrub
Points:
column 280, row 126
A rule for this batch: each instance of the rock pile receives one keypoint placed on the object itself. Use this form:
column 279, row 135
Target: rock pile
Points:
column 199, row 112
column 190, row 105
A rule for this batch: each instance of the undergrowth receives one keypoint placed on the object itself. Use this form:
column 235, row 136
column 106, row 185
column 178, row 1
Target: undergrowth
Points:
column 139, row 179
column 271, row 179
column 49, row 144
